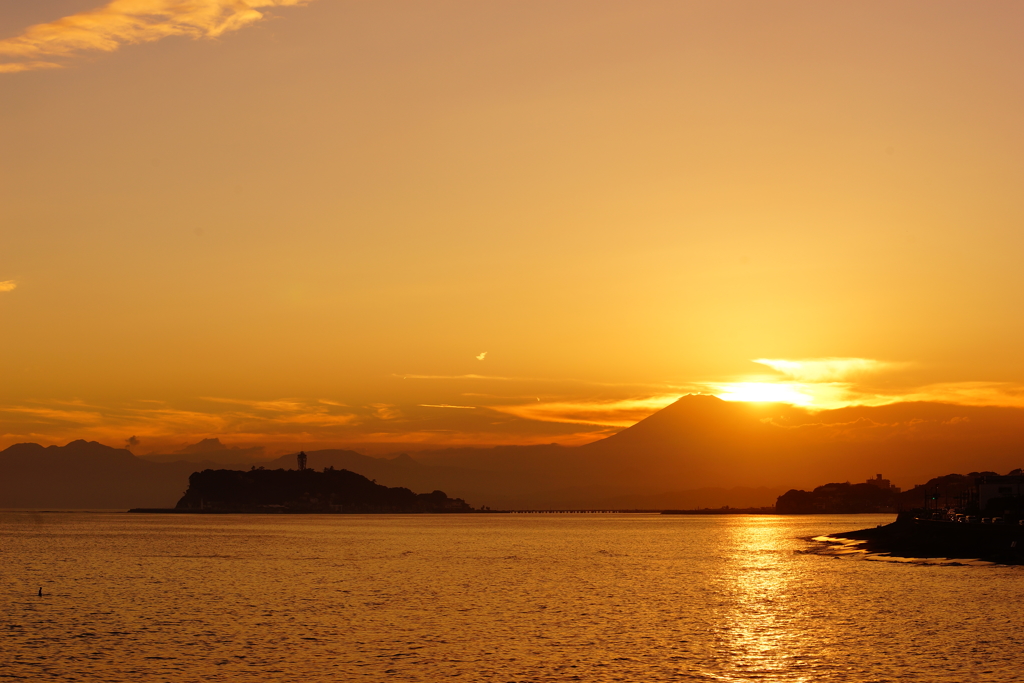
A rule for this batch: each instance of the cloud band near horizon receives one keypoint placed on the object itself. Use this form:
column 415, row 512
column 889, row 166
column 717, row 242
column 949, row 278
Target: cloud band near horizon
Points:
column 127, row 22
column 293, row 423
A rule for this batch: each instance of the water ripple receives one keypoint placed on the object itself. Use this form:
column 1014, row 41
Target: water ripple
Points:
column 490, row 598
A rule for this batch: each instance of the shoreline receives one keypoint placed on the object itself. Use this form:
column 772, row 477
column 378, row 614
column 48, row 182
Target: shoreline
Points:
column 714, row 512
column 274, row 511
column 910, row 537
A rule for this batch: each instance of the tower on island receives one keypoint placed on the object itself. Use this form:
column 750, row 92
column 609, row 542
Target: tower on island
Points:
column 301, row 457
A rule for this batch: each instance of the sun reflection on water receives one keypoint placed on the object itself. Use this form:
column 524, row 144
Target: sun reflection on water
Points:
column 759, row 638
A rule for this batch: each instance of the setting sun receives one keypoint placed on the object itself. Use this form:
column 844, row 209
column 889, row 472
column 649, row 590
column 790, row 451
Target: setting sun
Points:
column 764, row 392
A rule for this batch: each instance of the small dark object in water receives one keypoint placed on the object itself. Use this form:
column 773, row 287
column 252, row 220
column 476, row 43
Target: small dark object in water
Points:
column 40, row 591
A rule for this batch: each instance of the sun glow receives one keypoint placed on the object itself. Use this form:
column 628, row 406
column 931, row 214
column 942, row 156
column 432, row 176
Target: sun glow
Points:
column 813, row 383
column 764, row 392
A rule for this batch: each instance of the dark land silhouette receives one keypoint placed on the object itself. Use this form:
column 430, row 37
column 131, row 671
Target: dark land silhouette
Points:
column 917, row 534
column 948, row 491
column 84, row 475
column 975, row 516
column 305, row 490
column 838, row 498
column 698, row 452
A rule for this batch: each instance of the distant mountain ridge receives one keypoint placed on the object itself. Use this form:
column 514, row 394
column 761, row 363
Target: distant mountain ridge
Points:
column 86, row 474
column 210, row 451
column 699, row 451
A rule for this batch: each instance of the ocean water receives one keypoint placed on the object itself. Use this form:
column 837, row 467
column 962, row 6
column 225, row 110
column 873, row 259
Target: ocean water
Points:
column 488, row 598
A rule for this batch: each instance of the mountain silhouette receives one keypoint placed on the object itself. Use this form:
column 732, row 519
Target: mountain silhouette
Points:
column 210, row 451
column 86, row 475
column 701, row 443
column 698, row 451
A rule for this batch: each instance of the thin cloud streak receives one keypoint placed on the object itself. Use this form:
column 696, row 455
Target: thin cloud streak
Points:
column 680, row 388
column 445, row 405
column 76, row 417
column 1003, row 394
column 15, row 67
column 127, row 22
column 489, row 377
column 278, row 406
column 616, row 413
column 825, row 369
column 8, row 285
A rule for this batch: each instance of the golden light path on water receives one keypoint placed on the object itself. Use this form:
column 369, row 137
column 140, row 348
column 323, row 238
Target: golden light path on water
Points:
column 757, row 636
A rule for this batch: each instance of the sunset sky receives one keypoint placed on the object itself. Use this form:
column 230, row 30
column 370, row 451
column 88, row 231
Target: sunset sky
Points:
column 340, row 222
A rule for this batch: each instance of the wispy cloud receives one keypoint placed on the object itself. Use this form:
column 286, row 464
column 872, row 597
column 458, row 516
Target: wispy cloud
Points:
column 630, row 386
column 487, row 377
column 290, row 423
column 445, row 405
column 15, row 67
column 606, row 413
column 386, row 411
column 8, row 285
column 481, row 356
column 825, row 369
column 283, row 405
column 126, row 22
column 812, row 383
column 52, row 415
column 164, row 426
column 830, row 383
column 969, row 394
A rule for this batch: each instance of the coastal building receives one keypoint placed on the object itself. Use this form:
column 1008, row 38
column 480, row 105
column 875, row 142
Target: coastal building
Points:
column 992, row 487
column 883, row 484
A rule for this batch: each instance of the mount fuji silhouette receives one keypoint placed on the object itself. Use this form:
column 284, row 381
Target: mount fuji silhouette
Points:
column 702, row 448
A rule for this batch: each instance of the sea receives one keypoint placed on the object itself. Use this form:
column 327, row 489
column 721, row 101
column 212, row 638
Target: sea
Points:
column 490, row 597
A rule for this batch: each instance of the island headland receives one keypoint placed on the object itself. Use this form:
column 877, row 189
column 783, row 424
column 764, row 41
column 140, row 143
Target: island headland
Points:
column 305, row 490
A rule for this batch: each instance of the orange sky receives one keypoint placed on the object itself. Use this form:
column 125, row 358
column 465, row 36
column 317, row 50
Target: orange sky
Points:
column 302, row 223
